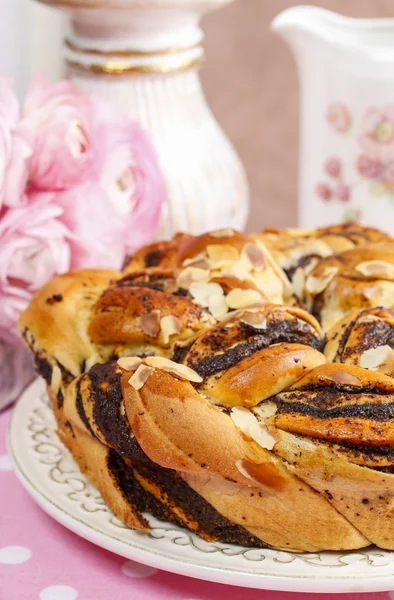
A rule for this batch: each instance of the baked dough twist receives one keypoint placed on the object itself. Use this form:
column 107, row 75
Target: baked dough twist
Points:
column 186, row 388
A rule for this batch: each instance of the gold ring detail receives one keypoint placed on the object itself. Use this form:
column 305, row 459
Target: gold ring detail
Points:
column 115, row 68
column 130, row 53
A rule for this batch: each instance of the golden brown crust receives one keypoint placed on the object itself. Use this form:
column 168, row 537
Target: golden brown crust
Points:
column 363, row 496
column 357, row 279
column 290, row 246
column 185, row 440
column 121, row 313
column 288, row 442
column 57, row 319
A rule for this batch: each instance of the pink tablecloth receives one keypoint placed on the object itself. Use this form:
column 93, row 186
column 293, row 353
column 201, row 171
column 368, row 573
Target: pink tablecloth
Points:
column 41, row 560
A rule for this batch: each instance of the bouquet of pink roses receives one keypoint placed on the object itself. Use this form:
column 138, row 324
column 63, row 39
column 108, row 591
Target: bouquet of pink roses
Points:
column 79, row 187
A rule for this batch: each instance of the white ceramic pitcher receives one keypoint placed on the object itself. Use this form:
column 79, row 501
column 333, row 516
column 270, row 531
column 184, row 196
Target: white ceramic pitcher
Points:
column 346, row 71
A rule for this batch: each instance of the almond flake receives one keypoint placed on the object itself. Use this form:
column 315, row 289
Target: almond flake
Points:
column 270, row 284
column 222, row 233
column 299, row 283
column 140, row 377
column 255, row 255
column 150, row 323
column 265, row 410
column 201, row 264
column 221, row 254
column 194, row 259
column 191, row 274
column 202, row 292
column 374, row 358
column 344, row 378
column 308, row 268
column 129, row 363
column 317, row 284
column 368, row 319
column 241, row 468
column 169, row 326
column 263, row 436
column 240, row 298
column 243, row 419
column 56, row 379
column 217, row 306
column 240, row 270
column 375, row 268
column 254, row 320
column 182, row 371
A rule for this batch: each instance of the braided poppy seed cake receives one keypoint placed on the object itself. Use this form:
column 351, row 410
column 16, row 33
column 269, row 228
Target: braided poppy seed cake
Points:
column 239, row 386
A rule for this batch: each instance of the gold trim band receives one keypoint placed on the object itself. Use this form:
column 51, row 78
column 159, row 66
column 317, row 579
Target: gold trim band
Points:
column 115, row 68
column 129, row 53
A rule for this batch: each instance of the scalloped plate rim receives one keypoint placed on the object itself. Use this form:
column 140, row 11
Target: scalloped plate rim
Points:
column 164, row 561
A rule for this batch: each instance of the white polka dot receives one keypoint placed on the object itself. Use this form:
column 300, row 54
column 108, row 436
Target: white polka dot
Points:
column 58, row 592
column 14, row 555
column 5, row 463
column 133, row 569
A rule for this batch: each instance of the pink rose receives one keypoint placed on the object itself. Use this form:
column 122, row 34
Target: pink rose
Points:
column 132, row 178
column 14, row 150
column 34, row 246
column 97, row 231
column 57, row 123
column 338, row 117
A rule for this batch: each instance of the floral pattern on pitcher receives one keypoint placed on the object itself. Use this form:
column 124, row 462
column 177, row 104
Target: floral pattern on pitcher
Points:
column 373, row 164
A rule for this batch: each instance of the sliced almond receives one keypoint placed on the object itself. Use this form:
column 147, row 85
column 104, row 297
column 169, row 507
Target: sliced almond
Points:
column 182, row 371
column 140, row 377
column 344, row 378
column 150, row 323
column 222, row 233
column 373, row 358
column 368, row 319
column 316, row 284
column 240, row 270
column 375, row 268
column 169, row 326
column 255, row 255
column 298, row 282
column 243, row 419
column 308, row 268
column 56, row 379
column 129, row 363
column 271, row 285
column 220, row 254
column 242, row 469
column 217, row 306
column 263, row 436
column 245, row 466
column 240, row 298
column 266, row 410
column 194, row 259
column 255, row 320
column 190, row 275
column 201, row 292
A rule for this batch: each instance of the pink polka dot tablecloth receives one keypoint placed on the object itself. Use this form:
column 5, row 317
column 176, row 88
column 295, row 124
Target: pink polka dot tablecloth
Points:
column 41, row 560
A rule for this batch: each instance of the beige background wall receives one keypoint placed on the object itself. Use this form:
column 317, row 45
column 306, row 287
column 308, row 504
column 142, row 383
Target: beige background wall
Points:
column 251, row 83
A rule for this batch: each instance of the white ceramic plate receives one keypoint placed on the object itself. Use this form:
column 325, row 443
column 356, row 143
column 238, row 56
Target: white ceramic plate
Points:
column 50, row 475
